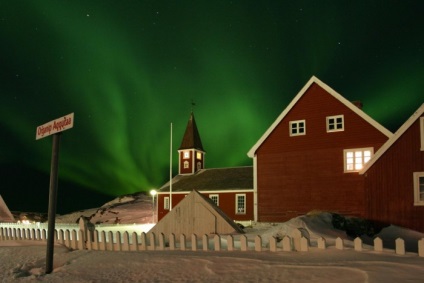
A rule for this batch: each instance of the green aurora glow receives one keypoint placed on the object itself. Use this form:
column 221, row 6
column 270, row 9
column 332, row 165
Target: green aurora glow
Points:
column 128, row 69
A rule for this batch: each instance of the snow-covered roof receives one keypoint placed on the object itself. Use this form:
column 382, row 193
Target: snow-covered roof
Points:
column 394, row 138
column 215, row 179
column 332, row 92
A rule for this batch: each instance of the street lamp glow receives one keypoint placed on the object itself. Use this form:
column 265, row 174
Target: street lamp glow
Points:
column 153, row 193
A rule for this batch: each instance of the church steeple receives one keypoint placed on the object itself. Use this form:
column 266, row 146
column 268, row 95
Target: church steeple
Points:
column 191, row 153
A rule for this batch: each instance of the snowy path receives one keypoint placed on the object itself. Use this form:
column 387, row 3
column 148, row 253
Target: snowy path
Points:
column 26, row 263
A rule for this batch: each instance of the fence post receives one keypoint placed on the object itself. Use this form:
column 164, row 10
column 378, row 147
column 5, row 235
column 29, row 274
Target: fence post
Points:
column 172, row 241
column 230, row 243
column 217, row 242
column 152, row 241
column 205, row 242
column 118, row 245
column 258, row 243
column 421, row 247
column 296, row 236
column 81, row 242
column 304, row 247
column 89, row 243
column 110, row 246
column 126, row 241
column 143, row 241
column 193, row 242
column 44, row 235
column 321, row 243
column 182, row 242
column 68, row 239
column 74, row 239
column 400, row 246
column 134, row 240
column 287, row 244
column 38, row 231
column 378, row 244
column 243, row 243
column 103, row 246
column 61, row 237
column 357, row 244
column 161, row 242
column 339, row 243
column 272, row 244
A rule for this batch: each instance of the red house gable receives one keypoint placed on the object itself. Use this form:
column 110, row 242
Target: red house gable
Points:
column 394, row 178
column 307, row 159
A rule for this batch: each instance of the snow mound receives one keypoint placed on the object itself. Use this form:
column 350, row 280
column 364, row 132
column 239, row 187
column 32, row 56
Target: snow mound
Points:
column 316, row 225
column 127, row 209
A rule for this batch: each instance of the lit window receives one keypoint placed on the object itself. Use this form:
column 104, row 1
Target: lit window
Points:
column 355, row 159
column 418, row 188
column 186, row 154
column 241, row 204
column 186, row 164
column 335, row 123
column 297, row 128
column 199, row 155
column 166, row 203
column 215, row 199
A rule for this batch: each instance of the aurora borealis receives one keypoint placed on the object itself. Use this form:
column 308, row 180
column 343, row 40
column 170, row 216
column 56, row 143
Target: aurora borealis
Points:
column 127, row 69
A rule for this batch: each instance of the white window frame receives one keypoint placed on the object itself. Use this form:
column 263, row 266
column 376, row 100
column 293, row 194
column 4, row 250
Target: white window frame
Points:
column 294, row 131
column 166, row 203
column 422, row 132
column 216, row 196
column 186, row 164
column 332, row 121
column 240, row 209
column 418, row 195
column 186, row 154
column 355, row 162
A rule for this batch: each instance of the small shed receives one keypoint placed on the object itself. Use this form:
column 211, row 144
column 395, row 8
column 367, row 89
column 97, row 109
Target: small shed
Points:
column 196, row 214
column 5, row 214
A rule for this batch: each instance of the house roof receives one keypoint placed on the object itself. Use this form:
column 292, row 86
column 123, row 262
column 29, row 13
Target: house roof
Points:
column 196, row 214
column 234, row 178
column 332, row 92
column 394, row 138
column 191, row 138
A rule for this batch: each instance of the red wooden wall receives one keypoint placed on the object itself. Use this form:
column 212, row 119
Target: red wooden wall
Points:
column 302, row 173
column 227, row 203
column 389, row 183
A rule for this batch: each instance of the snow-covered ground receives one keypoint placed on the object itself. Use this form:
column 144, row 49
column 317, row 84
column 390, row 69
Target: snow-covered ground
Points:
column 25, row 261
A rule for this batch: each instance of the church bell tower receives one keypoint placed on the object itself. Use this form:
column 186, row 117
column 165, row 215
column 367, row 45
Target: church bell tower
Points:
column 191, row 154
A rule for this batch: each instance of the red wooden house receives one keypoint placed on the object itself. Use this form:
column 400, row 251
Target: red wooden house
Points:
column 231, row 189
column 310, row 156
column 394, row 178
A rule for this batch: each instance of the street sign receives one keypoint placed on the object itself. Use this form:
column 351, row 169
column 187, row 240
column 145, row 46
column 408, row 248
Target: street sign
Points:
column 54, row 128
column 59, row 125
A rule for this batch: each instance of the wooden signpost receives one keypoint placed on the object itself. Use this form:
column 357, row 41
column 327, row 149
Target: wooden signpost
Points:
column 55, row 128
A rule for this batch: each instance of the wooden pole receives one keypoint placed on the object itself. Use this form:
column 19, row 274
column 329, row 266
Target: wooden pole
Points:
column 52, row 202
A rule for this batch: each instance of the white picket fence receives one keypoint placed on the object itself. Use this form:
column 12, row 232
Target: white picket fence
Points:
column 132, row 241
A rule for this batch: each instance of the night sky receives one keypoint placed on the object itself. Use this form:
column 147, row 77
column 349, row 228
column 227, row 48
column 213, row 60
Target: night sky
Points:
column 127, row 69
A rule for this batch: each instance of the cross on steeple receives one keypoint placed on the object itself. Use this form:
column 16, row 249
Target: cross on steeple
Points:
column 192, row 105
